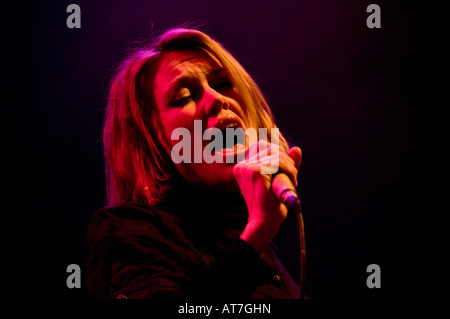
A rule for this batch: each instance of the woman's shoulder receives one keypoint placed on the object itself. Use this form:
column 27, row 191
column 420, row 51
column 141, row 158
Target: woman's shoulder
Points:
column 132, row 210
column 125, row 210
column 129, row 217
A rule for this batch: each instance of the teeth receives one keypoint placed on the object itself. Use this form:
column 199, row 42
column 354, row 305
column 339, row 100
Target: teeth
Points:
column 239, row 147
column 230, row 126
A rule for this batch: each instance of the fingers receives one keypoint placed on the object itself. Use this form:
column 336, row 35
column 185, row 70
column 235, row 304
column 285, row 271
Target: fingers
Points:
column 256, row 148
column 288, row 166
column 271, row 160
column 296, row 154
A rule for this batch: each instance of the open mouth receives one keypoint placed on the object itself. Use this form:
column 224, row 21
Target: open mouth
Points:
column 233, row 144
column 232, row 140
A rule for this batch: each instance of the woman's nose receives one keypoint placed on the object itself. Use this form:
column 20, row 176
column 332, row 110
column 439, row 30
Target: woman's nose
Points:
column 214, row 102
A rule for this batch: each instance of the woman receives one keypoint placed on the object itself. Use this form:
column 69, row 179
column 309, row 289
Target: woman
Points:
column 190, row 228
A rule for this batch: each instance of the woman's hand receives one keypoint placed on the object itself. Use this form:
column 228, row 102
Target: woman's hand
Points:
column 266, row 213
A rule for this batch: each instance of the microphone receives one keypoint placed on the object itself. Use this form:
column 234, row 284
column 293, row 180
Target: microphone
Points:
column 285, row 192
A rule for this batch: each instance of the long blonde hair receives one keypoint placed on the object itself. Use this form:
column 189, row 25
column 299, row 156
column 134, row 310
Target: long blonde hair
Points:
column 137, row 167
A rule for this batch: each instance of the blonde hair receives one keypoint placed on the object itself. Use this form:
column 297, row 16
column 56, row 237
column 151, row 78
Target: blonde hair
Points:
column 137, row 167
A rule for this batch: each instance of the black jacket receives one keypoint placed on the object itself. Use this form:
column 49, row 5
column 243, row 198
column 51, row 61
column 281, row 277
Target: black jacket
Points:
column 181, row 249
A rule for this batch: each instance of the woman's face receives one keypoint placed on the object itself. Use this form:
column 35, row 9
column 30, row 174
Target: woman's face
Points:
column 193, row 93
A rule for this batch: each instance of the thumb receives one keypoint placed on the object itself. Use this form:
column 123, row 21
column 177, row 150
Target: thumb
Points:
column 296, row 154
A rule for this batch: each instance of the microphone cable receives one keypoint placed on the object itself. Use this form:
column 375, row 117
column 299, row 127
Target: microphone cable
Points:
column 301, row 229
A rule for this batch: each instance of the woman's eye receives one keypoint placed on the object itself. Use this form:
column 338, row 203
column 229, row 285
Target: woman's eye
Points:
column 223, row 85
column 182, row 98
column 182, row 101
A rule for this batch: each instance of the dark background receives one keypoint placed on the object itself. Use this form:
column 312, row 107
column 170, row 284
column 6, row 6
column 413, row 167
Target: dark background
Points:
column 342, row 92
